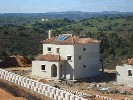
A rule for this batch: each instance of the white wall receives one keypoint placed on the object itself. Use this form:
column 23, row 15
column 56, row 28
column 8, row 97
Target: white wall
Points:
column 65, row 50
column 74, row 68
column 36, row 68
column 122, row 74
column 90, row 58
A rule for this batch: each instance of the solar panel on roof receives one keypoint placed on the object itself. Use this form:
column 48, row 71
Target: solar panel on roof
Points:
column 61, row 38
column 58, row 38
column 65, row 37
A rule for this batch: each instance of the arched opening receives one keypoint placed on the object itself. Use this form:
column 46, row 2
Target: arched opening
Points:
column 53, row 70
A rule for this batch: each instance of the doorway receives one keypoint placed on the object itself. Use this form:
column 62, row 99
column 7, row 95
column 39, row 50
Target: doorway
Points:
column 53, row 70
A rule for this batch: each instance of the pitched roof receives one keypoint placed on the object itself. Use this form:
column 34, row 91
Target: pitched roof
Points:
column 128, row 61
column 69, row 39
column 49, row 57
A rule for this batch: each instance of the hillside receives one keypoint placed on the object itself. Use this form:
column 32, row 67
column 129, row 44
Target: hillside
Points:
column 115, row 33
column 17, row 18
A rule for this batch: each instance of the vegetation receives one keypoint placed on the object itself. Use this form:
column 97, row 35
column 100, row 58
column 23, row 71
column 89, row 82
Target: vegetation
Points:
column 22, row 36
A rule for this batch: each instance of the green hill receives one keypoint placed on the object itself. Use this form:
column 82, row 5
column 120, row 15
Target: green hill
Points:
column 115, row 33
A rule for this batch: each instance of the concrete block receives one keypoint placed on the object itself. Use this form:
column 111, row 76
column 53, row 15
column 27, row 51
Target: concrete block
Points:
column 43, row 92
column 63, row 94
column 28, row 86
column 63, row 99
column 19, row 82
column 77, row 98
column 55, row 97
column 67, row 96
column 102, row 97
column 50, row 89
column 58, row 92
column 39, row 90
column 33, row 83
column 17, row 77
column 47, row 94
column 24, row 79
column 11, row 74
column 4, row 77
column 32, row 87
column 13, row 80
column 72, row 97
column 27, row 81
column 97, row 96
column 7, row 77
column 35, row 89
column 30, row 82
column 53, row 90
column 59, row 98
column 25, row 85
column 37, row 85
column 44, row 87
column 51, row 96
column 16, row 81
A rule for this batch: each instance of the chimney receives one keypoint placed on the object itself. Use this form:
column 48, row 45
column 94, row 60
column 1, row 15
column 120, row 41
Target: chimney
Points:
column 49, row 34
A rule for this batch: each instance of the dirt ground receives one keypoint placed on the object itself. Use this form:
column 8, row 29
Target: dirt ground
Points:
column 6, row 96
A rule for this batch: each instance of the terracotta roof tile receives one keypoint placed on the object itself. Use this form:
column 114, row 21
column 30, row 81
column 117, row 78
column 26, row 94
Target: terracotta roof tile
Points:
column 70, row 40
column 49, row 57
column 128, row 61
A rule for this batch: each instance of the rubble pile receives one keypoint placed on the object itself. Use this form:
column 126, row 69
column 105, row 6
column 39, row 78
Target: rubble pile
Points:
column 128, row 61
column 15, row 61
column 23, row 61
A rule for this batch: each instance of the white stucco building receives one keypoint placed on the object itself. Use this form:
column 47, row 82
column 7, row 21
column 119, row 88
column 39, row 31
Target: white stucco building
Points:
column 124, row 74
column 69, row 57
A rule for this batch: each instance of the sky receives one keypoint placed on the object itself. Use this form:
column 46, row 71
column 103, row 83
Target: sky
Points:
column 42, row 6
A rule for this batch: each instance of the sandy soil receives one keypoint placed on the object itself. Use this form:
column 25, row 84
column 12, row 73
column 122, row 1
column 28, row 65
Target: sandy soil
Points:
column 6, row 96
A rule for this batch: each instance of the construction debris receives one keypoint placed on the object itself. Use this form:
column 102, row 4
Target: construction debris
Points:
column 105, row 89
column 94, row 85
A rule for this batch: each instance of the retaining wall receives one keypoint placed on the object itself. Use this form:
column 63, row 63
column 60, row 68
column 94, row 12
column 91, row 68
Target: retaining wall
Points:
column 38, row 87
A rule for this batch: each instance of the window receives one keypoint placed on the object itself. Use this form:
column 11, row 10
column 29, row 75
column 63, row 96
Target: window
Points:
column 84, row 66
column 69, row 57
column 57, row 50
column 80, row 57
column 130, row 72
column 49, row 49
column 43, row 67
column 84, row 49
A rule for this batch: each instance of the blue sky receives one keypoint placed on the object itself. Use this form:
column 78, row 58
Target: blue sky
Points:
column 42, row 6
